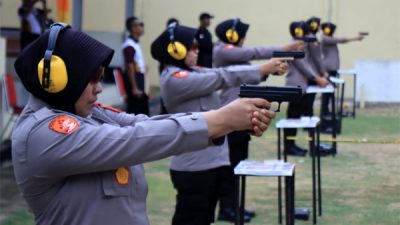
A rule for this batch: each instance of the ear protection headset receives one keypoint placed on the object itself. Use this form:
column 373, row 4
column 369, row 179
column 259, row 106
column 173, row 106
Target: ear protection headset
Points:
column 231, row 34
column 52, row 72
column 327, row 30
column 175, row 48
column 298, row 32
column 314, row 25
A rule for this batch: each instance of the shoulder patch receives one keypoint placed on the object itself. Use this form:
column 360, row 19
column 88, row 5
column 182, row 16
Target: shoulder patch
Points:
column 199, row 67
column 181, row 74
column 64, row 124
column 229, row 46
column 109, row 107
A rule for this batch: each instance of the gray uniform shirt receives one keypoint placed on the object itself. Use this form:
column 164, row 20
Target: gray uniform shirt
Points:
column 330, row 52
column 300, row 71
column 315, row 57
column 67, row 166
column 187, row 91
column 226, row 55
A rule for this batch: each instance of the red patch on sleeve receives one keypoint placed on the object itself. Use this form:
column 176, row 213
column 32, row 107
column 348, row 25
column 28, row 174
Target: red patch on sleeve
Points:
column 64, row 124
column 181, row 74
column 229, row 46
column 108, row 107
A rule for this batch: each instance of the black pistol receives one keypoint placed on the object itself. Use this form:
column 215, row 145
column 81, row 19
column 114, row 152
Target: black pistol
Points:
column 306, row 39
column 363, row 33
column 293, row 54
column 271, row 94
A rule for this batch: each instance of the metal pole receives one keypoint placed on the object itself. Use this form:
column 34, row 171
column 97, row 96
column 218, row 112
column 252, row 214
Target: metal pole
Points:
column 77, row 14
column 330, row 10
column 129, row 8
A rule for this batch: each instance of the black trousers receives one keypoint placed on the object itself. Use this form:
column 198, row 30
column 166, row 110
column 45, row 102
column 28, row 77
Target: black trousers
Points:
column 304, row 107
column 326, row 98
column 196, row 198
column 136, row 105
column 238, row 150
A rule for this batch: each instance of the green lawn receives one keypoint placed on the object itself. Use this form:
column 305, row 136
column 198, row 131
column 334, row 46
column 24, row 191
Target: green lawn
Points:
column 361, row 185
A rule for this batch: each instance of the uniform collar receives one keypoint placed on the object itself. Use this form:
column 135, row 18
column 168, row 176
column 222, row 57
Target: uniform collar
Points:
column 36, row 104
column 134, row 39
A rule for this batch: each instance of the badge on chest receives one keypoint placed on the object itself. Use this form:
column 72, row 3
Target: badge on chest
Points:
column 122, row 175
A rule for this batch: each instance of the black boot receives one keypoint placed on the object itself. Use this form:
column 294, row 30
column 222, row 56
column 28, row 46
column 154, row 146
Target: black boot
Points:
column 229, row 215
column 296, row 151
column 250, row 213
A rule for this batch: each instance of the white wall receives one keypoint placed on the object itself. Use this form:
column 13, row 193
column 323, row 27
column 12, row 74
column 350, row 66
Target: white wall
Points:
column 378, row 80
column 270, row 20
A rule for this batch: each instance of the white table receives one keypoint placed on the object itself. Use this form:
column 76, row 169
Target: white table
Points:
column 312, row 124
column 269, row 168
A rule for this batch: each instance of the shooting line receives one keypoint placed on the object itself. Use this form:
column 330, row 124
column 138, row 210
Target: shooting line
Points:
column 342, row 140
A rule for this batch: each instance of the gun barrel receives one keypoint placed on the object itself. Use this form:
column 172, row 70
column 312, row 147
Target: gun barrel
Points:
column 271, row 93
column 364, row 33
column 306, row 39
column 294, row 54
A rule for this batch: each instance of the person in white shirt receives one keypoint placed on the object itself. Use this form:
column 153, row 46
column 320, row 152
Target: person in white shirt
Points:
column 135, row 68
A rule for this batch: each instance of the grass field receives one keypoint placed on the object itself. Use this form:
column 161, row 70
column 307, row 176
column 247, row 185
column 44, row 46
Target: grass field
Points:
column 361, row 185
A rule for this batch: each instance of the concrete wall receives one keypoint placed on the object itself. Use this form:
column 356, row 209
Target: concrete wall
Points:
column 9, row 9
column 269, row 22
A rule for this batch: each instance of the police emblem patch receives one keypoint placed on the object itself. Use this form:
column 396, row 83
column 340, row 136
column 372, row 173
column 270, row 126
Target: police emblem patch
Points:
column 229, row 46
column 64, row 124
column 122, row 175
column 181, row 74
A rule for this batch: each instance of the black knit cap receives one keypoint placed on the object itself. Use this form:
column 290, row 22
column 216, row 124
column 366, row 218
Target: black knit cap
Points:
column 312, row 20
column 299, row 24
column 82, row 55
column 330, row 25
column 224, row 26
column 183, row 34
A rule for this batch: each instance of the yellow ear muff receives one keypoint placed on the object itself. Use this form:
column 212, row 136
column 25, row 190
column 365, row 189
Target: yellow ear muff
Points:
column 177, row 50
column 314, row 25
column 232, row 36
column 58, row 74
column 298, row 32
column 327, row 30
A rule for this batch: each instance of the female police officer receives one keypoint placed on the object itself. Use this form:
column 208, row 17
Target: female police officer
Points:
column 229, row 50
column 196, row 175
column 330, row 51
column 77, row 162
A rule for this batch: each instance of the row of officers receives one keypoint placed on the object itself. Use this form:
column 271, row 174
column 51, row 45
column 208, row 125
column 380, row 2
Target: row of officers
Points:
column 77, row 161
